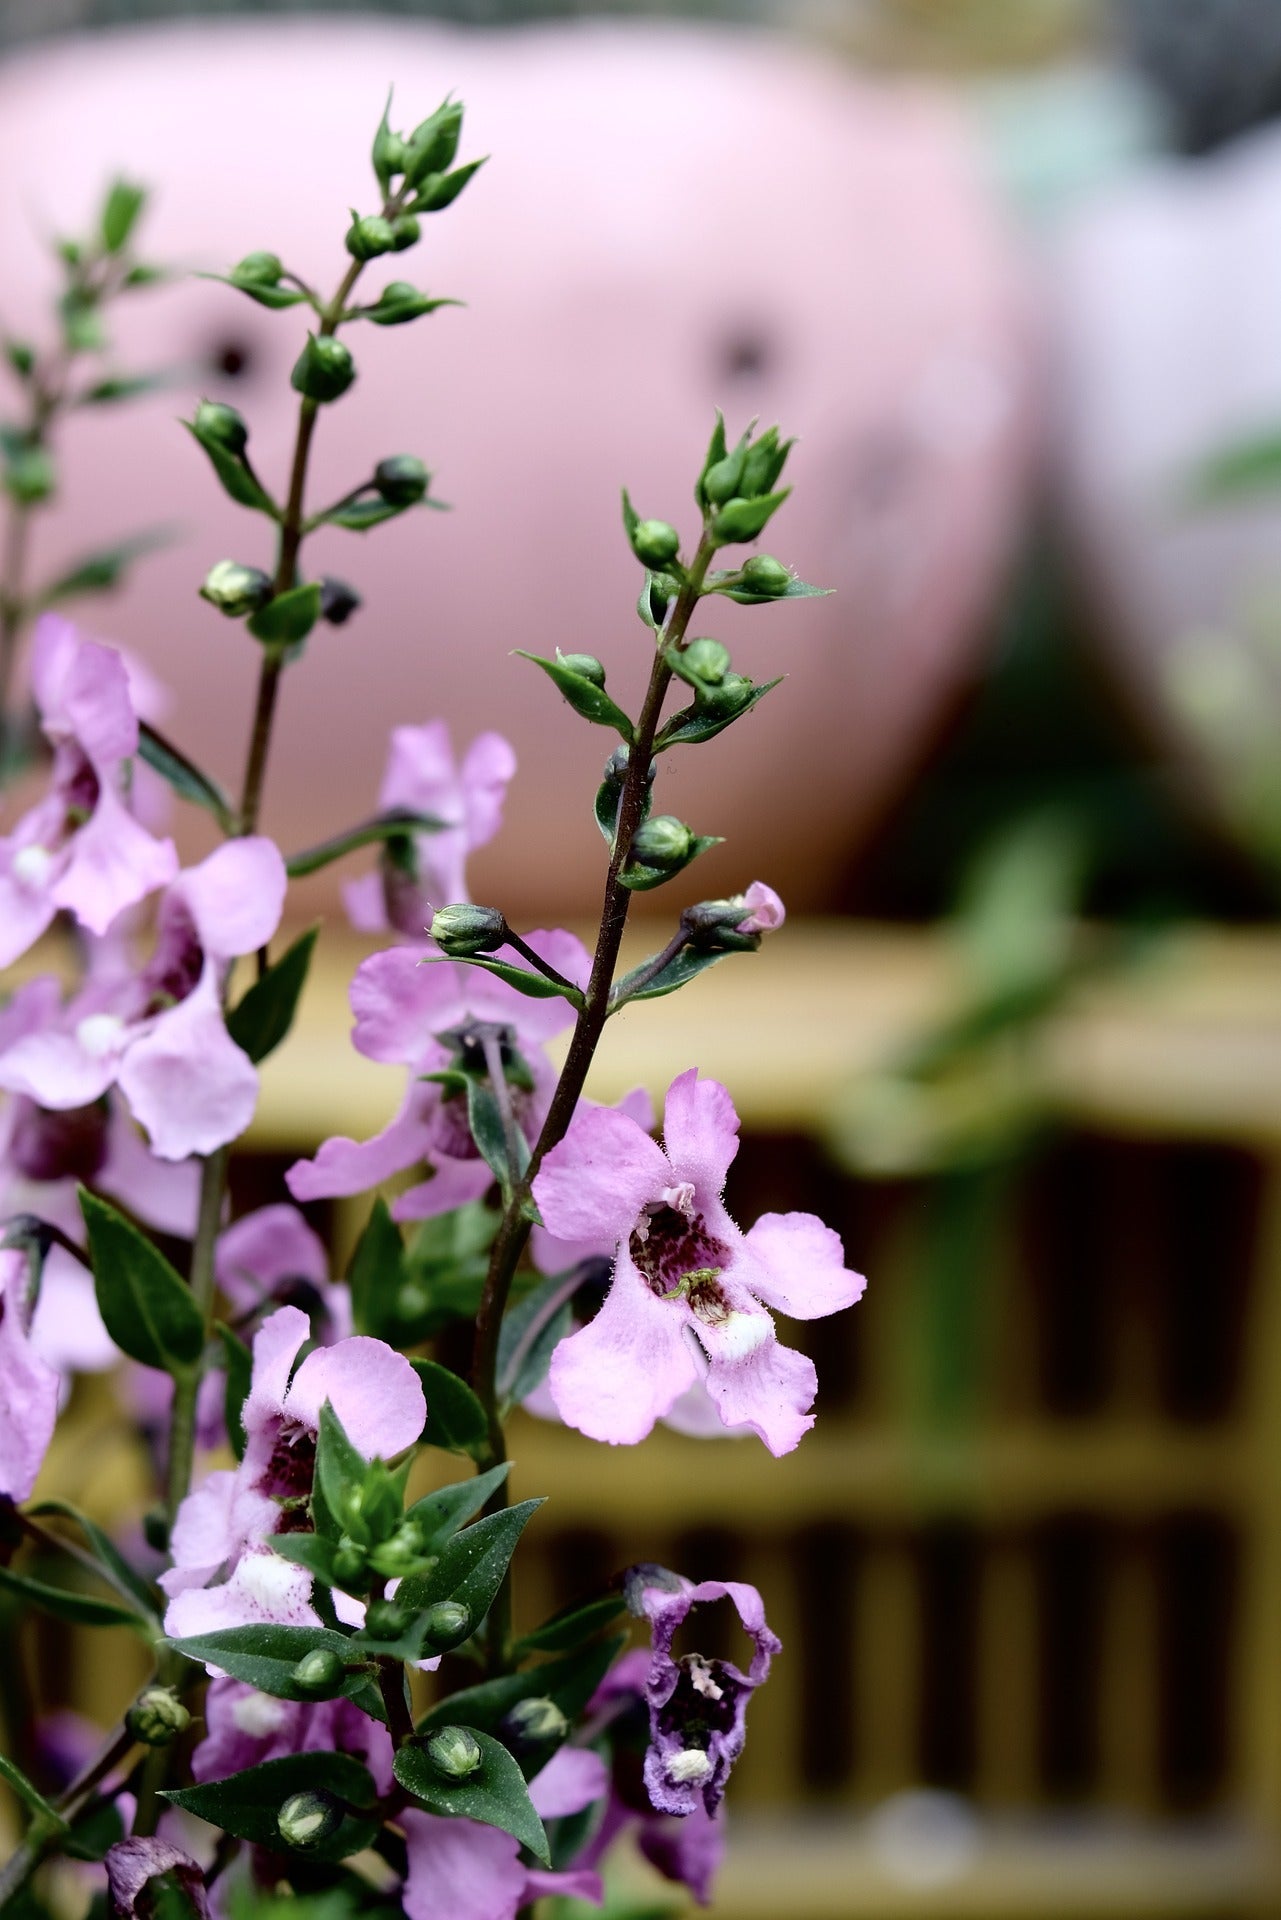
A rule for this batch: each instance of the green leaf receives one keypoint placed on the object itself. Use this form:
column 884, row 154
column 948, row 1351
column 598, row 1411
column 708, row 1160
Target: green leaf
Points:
column 123, row 386
column 83, row 1609
column 265, row 1655
column 398, row 304
column 440, row 1514
column 361, row 515
column 233, row 474
column 31, row 1797
column 471, row 1564
column 495, row 1794
column 641, row 879
column 145, row 1305
column 677, row 973
column 583, row 695
column 441, row 192
column 246, row 1804
column 717, row 447
column 186, row 779
column 455, row 1418
column 535, row 986
column 96, row 1828
column 100, row 572
column 692, row 725
column 315, row 1551
column 120, row 213
column 238, row 1362
column 374, row 1277
column 116, row 1571
column 485, row 1120
column 570, row 1682
column 263, row 1016
column 392, row 825
column 267, row 296
column 340, row 1472
column 741, row 519
column 289, row 618
column 797, row 590
column 571, row 1626
column 1250, row 466
column 532, row 1329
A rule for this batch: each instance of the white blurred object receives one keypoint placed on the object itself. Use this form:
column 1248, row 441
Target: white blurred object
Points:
column 925, row 1838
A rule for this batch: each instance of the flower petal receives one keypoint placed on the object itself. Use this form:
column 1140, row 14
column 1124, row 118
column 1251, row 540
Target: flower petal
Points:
column 343, row 1166
column 400, row 1004
column 571, row 1780
column 453, row 1184
column 700, row 1131
column 186, row 1080
column 265, row 1247
column 622, row 1371
column 164, row 1193
column 373, row 1390
column 28, row 1388
column 262, row 1587
column 459, row 1870
column 114, row 862
column 25, row 912
column 801, row 1267
column 594, row 1182
column 235, row 896
column 769, row 1389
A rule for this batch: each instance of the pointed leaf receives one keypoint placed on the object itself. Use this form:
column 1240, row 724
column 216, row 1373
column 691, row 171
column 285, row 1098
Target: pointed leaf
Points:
column 571, row 1626
column 238, row 1363
column 583, row 695
column 692, row 725
column 374, row 1278
column 289, row 618
column 440, row 1514
column 455, row 1418
column 360, row 515
column 247, row 1804
column 532, row 1329
column 796, row 590
column 495, row 1794
column 536, row 986
column 485, row 1119
column 146, row 1307
column 267, row 296
column 340, row 1472
column 441, row 192
column 234, row 476
column 265, row 1655
column 186, row 779
column 570, row 1681
column 261, row 1019
column 82, row 1609
column 121, row 210
column 116, row 1571
column 395, row 824
column 677, row 973
column 100, row 572
column 642, row 879
column 31, row 1797
column 472, row 1564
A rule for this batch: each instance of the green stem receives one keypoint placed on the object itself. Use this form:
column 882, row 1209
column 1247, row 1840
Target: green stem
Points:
column 17, row 1870
column 182, row 1424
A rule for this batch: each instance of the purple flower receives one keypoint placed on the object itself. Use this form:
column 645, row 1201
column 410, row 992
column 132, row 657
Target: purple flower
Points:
column 225, row 1526
column 690, row 1291
column 79, row 848
column 28, row 1385
column 132, row 1863
column 160, row 1033
column 245, row 1727
column 460, row 1870
column 417, row 1015
column 271, row 1257
column 422, row 776
column 697, row 1707
column 765, row 911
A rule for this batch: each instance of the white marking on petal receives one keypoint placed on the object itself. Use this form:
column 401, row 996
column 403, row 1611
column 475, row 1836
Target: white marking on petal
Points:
column 738, row 1334
column 258, row 1715
column 99, row 1034
column 689, row 1764
column 32, row 866
column 680, row 1198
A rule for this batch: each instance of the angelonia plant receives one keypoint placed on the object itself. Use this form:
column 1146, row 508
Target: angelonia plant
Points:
column 292, row 1591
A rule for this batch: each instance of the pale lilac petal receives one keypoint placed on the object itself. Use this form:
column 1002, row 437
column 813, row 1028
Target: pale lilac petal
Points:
column 459, row 1870
column 275, row 1348
column 593, row 1184
column 688, row 1850
column 400, row 1003
column 187, row 1081
column 420, row 772
column 66, row 1328
column 114, row 862
column 28, row 1387
column 770, row 1389
column 800, row 1266
column 373, row 1390
column 164, row 1193
column 453, row 1184
column 622, row 1371
column 363, row 899
column 700, row 1131
column 25, row 911
column 235, row 896
column 32, row 1007
column 82, row 690
column 766, row 912
column 343, row 1166
column 204, row 1533
column 488, row 766
column 265, row 1247
column 262, row 1587
column 59, row 1070
column 698, row 1417
column 571, row 1780
column 572, row 1883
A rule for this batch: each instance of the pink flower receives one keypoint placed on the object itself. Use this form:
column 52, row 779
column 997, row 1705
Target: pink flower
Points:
column 271, row 1257
column 245, row 1728
column 28, row 1385
column 765, row 911
column 79, row 848
column 690, row 1290
column 423, row 777
column 461, row 1870
column 227, row 1523
column 160, row 1034
column 418, row 1016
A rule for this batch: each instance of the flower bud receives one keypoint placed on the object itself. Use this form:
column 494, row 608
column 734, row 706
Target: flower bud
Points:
column 584, row 664
column 764, row 574
column 236, row 590
column 446, row 1623
column 655, row 542
column 219, row 425
column 401, row 479
column 454, row 1751
column 369, row 235
column 405, row 231
column 434, row 143
column 324, row 369
column 461, row 930
column 307, row 1818
column 320, row 1674
column 156, row 1717
column 721, row 481
column 707, row 660
column 661, row 842
column 402, row 1554
column 338, row 601
column 384, row 1620
column 350, row 1566
column 533, row 1723
column 259, row 269
column 30, row 476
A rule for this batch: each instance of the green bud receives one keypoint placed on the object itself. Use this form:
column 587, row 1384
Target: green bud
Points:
column 405, row 232
column 401, row 479
column 156, row 1717
column 764, row 574
column 721, row 481
column 402, row 1554
column 531, row 1724
column 236, row 590
column 369, row 235
column 259, row 269
column 320, row 1674
column 307, row 1818
column 655, row 542
column 765, row 461
column 324, row 369
column 350, row 1566
column 434, row 142
column 30, row 476
column 461, row 930
column 455, row 1752
column 390, row 153
column 384, row 1620
column 220, row 425
column 446, row 1623
column 69, row 252
column 661, row 842
column 82, row 329
column 21, row 357
column 584, row 664
column 707, row 660
column 338, row 601
column 743, row 519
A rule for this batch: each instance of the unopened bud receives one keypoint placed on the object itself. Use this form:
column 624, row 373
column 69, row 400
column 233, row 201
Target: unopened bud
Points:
column 454, row 1751
column 307, row 1818
column 401, row 1554
column 661, row 842
column 369, row 235
column 586, row 665
column 721, row 481
column 259, row 269
column 384, row 1620
column 236, row 590
column 655, row 542
column 462, row 929
column 156, row 1717
column 29, row 476
column 350, row 1565
column 338, row 601
column 446, row 1623
column 320, row 1674
column 764, row 574
column 533, row 1723
column 401, row 479
column 708, row 660
column 219, row 425
column 405, row 231
column 324, row 369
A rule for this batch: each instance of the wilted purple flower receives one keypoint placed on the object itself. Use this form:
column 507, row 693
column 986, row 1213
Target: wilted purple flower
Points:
column 160, row 1033
column 690, row 1290
column 131, row 1863
column 28, row 1385
column 411, row 1014
column 245, row 1727
column 423, row 777
column 79, row 848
